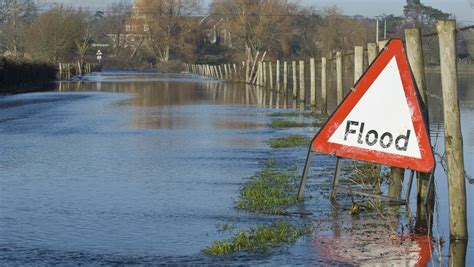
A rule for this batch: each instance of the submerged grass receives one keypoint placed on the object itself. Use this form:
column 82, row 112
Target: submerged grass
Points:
column 289, row 141
column 268, row 192
column 287, row 124
column 296, row 114
column 294, row 124
column 260, row 239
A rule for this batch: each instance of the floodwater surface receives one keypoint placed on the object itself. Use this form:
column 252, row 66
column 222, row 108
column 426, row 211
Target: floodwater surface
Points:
column 140, row 168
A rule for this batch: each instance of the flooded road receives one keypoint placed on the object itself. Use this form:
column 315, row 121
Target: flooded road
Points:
column 140, row 167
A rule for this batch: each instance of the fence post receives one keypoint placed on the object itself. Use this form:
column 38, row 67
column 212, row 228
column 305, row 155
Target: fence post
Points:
column 302, row 85
column 382, row 44
column 340, row 89
column 295, row 82
column 270, row 70
column 414, row 49
column 324, row 92
column 278, row 85
column 452, row 130
column 313, row 83
column 371, row 52
column 285, row 78
column 236, row 77
column 358, row 62
column 265, row 74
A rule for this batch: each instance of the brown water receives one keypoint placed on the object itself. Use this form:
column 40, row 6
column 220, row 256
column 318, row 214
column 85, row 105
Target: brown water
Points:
column 140, row 167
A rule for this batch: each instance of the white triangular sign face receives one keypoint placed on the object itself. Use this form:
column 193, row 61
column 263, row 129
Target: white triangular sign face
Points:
column 382, row 119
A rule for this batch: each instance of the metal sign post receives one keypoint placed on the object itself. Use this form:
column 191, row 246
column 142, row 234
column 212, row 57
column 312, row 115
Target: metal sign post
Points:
column 99, row 56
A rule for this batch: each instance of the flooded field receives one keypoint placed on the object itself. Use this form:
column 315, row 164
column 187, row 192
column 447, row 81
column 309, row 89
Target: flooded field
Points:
column 142, row 168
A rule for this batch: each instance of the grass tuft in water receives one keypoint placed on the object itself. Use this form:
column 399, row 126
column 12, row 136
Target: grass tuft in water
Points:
column 296, row 114
column 268, row 191
column 289, row 141
column 287, row 124
column 260, row 239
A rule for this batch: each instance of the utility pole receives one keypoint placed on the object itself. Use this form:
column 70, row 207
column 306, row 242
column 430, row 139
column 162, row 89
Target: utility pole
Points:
column 385, row 29
column 377, row 32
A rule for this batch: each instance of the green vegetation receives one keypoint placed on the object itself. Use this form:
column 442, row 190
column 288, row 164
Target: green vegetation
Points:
column 260, row 239
column 268, row 192
column 286, row 124
column 296, row 114
column 289, row 141
column 275, row 124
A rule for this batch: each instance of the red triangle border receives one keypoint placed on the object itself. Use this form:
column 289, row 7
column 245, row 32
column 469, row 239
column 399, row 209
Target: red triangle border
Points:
column 320, row 143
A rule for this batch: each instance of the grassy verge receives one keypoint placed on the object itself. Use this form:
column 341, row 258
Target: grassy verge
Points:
column 260, row 239
column 289, row 141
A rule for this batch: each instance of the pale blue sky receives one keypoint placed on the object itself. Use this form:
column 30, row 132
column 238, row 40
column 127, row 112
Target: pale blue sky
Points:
column 462, row 9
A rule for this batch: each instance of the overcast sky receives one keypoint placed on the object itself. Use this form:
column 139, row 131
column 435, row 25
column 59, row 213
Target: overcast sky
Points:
column 462, row 9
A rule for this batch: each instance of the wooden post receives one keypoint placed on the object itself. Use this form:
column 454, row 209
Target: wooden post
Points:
column 415, row 57
column 252, row 79
column 264, row 74
column 247, row 71
column 295, row 82
column 270, row 70
column 324, row 93
column 371, row 52
column 285, row 78
column 358, row 62
column 278, row 85
column 340, row 88
column 302, row 83
column 221, row 74
column 236, row 78
column 457, row 253
column 452, row 130
column 258, row 74
column 382, row 44
column 312, row 70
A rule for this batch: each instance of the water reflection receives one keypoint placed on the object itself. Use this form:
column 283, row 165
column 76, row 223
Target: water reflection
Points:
column 457, row 253
column 169, row 90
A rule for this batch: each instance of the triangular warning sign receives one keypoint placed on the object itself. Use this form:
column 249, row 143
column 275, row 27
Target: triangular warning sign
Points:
column 381, row 120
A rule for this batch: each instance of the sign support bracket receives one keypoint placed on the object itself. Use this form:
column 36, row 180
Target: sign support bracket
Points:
column 309, row 156
column 336, row 187
column 335, row 181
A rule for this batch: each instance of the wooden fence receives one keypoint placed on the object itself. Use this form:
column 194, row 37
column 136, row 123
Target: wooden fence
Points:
column 66, row 71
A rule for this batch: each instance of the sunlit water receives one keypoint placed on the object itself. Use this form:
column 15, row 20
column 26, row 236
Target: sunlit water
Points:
column 130, row 168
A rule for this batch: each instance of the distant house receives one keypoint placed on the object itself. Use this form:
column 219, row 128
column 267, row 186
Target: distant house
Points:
column 137, row 28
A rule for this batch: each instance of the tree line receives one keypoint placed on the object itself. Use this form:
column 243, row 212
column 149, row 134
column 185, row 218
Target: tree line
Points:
column 159, row 31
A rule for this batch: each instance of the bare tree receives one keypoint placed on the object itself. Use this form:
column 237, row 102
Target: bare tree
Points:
column 257, row 25
column 52, row 36
column 117, row 16
column 15, row 16
column 167, row 22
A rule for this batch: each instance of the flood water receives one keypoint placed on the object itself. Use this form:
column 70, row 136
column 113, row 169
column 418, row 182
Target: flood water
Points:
column 140, row 167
